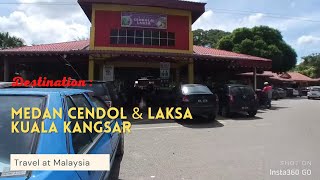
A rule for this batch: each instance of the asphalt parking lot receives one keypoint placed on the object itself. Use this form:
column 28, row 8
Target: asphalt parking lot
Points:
column 285, row 138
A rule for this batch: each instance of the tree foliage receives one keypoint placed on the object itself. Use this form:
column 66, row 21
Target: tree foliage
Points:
column 208, row 38
column 310, row 66
column 7, row 41
column 261, row 41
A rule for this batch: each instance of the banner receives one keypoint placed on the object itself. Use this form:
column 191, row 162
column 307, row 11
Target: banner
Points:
column 143, row 20
column 108, row 73
column 164, row 70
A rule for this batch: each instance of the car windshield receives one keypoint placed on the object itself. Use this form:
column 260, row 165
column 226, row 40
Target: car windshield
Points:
column 99, row 89
column 195, row 89
column 316, row 89
column 14, row 143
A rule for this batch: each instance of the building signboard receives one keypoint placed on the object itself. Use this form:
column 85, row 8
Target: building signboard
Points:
column 108, row 73
column 143, row 20
column 164, row 70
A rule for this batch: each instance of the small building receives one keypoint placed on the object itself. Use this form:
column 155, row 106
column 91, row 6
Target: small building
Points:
column 129, row 40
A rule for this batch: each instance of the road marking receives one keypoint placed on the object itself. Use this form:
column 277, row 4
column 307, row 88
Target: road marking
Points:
column 162, row 127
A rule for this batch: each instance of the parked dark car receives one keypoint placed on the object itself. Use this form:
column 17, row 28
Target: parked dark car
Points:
column 198, row 98
column 148, row 82
column 278, row 93
column 105, row 90
column 237, row 98
column 291, row 92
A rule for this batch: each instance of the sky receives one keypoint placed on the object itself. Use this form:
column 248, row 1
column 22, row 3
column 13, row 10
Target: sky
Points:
column 64, row 20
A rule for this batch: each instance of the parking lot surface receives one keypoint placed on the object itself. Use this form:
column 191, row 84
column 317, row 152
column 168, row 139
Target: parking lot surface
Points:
column 285, row 138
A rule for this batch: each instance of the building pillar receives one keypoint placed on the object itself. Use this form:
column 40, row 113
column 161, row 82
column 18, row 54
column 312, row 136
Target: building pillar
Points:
column 191, row 71
column 6, row 69
column 255, row 78
column 101, row 69
column 177, row 75
column 91, row 69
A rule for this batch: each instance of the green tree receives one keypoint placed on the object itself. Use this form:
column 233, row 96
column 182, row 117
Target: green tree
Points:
column 310, row 66
column 261, row 41
column 208, row 38
column 7, row 41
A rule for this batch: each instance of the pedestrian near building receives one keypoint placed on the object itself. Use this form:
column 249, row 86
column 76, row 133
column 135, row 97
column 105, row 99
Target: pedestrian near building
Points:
column 267, row 90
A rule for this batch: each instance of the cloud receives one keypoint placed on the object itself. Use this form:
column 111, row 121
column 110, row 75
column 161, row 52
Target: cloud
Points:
column 38, row 24
column 292, row 4
column 254, row 18
column 308, row 40
column 219, row 20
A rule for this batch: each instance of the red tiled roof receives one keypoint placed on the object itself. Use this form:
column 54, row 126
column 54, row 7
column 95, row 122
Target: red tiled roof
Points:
column 82, row 47
column 299, row 77
column 264, row 74
column 84, row 44
column 289, row 76
column 222, row 53
column 55, row 47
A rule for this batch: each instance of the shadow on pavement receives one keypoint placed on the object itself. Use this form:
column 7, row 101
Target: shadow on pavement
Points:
column 294, row 98
column 115, row 170
column 199, row 123
column 240, row 116
column 273, row 107
column 153, row 121
column 277, row 107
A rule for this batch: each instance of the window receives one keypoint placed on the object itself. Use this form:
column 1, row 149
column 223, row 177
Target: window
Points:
column 113, row 40
column 130, row 40
column 15, row 143
column 114, row 32
column 163, row 35
column 171, row 35
column 138, row 41
column 147, row 33
column 163, row 42
column 80, row 141
column 155, row 42
column 142, row 37
column 122, row 40
column 130, row 36
column 99, row 103
column 171, row 42
column 155, row 34
column 171, row 39
column 123, row 32
column 139, row 33
column 195, row 89
column 114, row 35
column 147, row 41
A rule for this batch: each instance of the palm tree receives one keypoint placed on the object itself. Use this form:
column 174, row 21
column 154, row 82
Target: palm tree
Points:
column 7, row 41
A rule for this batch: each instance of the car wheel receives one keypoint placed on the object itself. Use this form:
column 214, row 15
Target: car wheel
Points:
column 225, row 112
column 120, row 149
column 252, row 113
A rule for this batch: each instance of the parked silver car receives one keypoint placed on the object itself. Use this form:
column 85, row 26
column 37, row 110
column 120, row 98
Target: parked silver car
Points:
column 314, row 92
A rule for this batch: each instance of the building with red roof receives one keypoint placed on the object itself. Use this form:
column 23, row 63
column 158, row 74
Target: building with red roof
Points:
column 133, row 39
column 293, row 78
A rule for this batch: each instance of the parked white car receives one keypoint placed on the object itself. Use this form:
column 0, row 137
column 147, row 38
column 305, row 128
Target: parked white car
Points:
column 314, row 92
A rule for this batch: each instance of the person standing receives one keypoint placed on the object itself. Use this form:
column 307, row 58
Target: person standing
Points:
column 268, row 92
